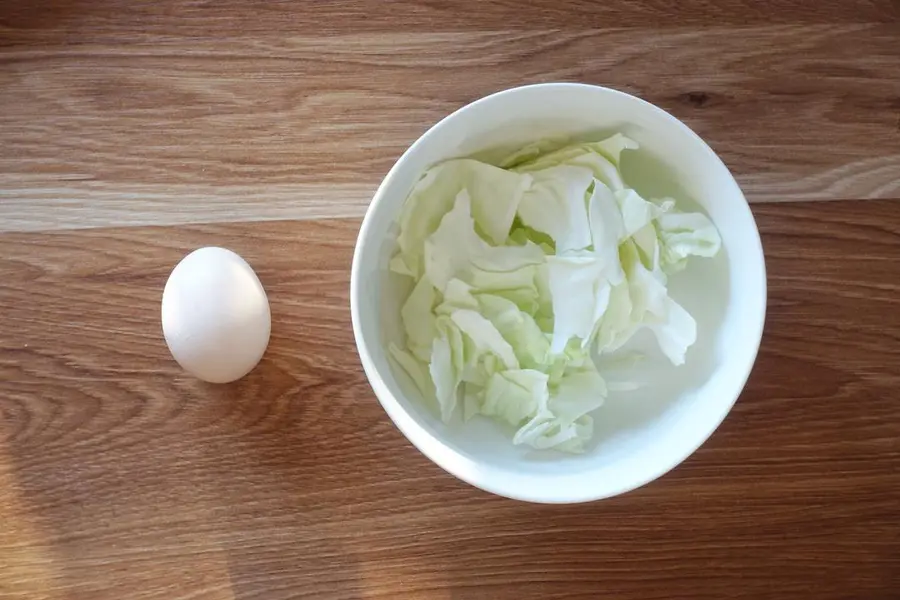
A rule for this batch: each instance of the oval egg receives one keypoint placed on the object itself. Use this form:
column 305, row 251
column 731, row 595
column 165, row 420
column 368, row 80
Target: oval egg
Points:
column 215, row 315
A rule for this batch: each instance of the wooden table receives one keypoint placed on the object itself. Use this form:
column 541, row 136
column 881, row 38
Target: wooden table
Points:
column 133, row 132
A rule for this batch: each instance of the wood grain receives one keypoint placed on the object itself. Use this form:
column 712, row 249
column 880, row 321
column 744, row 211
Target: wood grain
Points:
column 133, row 132
column 122, row 478
column 117, row 113
column 237, row 17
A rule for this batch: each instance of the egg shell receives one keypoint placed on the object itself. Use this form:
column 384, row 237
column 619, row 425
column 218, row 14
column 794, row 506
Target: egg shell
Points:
column 215, row 315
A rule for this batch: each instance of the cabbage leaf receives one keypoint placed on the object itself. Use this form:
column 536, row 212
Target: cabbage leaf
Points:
column 530, row 277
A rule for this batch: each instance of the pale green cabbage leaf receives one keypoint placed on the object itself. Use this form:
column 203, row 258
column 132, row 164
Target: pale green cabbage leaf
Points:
column 521, row 272
column 495, row 195
column 555, row 205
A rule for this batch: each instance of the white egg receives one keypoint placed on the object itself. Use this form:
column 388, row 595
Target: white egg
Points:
column 215, row 315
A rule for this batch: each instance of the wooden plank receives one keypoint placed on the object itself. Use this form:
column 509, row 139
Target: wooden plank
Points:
column 83, row 205
column 59, row 19
column 168, row 129
column 122, row 478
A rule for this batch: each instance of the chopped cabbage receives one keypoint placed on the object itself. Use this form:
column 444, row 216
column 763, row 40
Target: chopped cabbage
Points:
column 523, row 272
column 555, row 205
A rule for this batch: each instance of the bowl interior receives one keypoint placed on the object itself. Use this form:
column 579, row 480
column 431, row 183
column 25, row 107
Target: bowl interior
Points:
column 638, row 434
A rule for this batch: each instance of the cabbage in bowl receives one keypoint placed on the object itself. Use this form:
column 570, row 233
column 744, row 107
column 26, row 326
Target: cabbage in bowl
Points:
column 527, row 273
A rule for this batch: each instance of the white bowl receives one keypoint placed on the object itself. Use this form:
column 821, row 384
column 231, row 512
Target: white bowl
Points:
column 639, row 435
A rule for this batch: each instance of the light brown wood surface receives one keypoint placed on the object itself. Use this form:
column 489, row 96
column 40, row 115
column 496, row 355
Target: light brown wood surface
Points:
column 170, row 112
column 124, row 478
column 133, row 132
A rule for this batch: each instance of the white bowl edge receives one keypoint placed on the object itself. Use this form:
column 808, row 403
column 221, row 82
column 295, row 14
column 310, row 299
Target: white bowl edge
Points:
column 564, row 488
